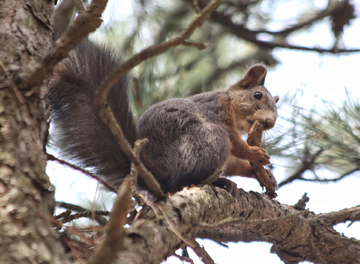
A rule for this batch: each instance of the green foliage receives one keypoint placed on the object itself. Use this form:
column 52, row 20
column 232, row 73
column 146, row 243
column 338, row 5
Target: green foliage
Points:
column 337, row 132
column 318, row 139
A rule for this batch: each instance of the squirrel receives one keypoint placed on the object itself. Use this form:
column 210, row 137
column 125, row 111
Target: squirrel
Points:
column 189, row 138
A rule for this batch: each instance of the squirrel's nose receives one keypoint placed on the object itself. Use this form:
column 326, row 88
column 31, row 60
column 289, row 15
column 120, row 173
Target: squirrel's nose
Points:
column 269, row 123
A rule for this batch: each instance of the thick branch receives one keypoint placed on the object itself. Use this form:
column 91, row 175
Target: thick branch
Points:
column 296, row 235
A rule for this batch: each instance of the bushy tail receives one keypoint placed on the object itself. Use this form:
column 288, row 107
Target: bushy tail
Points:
column 79, row 131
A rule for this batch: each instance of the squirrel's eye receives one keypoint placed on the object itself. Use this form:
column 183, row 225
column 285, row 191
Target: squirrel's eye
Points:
column 258, row 95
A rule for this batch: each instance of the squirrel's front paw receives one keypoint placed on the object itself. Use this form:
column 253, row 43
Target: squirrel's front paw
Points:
column 258, row 156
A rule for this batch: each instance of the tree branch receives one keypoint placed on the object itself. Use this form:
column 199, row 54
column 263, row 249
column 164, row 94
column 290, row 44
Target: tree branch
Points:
column 296, row 236
column 106, row 251
column 334, row 218
column 320, row 15
column 88, row 21
column 92, row 175
column 250, row 36
column 331, row 180
column 88, row 213
column 307, row 163
column 301, row 204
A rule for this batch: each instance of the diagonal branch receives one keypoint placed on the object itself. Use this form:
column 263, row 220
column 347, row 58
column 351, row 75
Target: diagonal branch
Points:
column 106, row 251
column 318, row 16
column 86, row 172
column 334, row 179
column 251, row 36
column 88, row 21
column 307, row 164
column 334, row 218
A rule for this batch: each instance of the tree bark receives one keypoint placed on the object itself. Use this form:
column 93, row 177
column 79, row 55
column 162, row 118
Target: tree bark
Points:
column 297, row 235
column 26, row 195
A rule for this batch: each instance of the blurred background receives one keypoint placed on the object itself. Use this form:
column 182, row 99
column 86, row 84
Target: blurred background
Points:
column 311, row 49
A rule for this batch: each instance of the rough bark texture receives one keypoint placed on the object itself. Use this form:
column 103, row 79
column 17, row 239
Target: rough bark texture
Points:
column 296, row 235
column 26, row 195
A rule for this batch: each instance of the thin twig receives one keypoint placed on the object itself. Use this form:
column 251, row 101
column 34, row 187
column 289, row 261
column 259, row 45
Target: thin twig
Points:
column 196, row 6
column 79, row 6
column 182, row 258
column 138, row 145
column 332, row 180
column 93, row 205
column 72, row 230
column 88, row 214
column 289, row 29
column 92, row 175
column 306, row 165
column 251, row 36
column 84, row 212
column 198, row 45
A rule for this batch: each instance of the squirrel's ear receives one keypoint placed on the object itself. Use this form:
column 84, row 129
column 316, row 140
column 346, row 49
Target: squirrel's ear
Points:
column 276, row 98
column 254, row 76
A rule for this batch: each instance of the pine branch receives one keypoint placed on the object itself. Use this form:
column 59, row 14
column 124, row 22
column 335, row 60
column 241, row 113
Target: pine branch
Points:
column 296, row 235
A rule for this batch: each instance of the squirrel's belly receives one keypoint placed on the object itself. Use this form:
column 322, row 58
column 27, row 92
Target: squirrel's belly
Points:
column 184, row 146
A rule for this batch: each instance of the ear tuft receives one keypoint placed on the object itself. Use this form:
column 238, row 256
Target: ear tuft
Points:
column 276, row 98
column 254, row 76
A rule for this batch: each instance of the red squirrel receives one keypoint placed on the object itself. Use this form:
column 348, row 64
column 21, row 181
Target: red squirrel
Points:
column 189, row 138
